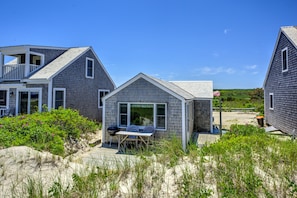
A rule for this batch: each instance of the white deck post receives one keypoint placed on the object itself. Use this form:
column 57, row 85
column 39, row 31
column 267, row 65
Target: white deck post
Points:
column 27, row 63
column 1, row 64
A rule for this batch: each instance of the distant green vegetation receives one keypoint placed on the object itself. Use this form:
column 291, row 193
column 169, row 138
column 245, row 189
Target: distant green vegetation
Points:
column 241, row 98
column 44, row 131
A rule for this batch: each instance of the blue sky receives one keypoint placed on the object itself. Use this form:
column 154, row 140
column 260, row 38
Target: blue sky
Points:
column 227, row 41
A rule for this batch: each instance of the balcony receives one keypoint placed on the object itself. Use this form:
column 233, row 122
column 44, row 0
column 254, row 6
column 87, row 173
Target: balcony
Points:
column 17, row 71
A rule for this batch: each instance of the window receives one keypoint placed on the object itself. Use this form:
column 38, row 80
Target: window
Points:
column 143, row 114
column 101, row 94
column 29, row 101
column 59, row 97
column 271, row 101
column 285, row 59
column 123, row 114
column 161, row 116
column 3, row 97
column 89, row 68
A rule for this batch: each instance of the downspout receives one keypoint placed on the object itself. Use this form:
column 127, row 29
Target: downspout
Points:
column 50, row 95
column 184, row 132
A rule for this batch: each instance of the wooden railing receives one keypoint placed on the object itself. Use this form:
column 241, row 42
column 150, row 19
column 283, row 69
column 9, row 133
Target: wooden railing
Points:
column 16, row 71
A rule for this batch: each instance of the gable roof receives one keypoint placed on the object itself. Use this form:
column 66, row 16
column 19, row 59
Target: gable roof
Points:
column 169, row 87
column 290, row 33
column 199, row 89
column 50, row 70
column 56, row 66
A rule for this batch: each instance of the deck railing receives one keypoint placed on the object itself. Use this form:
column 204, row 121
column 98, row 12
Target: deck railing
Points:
column 16, row 71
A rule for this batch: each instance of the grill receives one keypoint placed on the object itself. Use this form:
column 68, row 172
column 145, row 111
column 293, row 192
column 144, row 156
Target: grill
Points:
column 112, row 130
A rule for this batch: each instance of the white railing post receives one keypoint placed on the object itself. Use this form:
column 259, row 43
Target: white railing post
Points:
column 1, row 64
column 27, row 63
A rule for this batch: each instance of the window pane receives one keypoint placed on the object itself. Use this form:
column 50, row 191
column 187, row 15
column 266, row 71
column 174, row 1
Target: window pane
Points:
column 59, row 100
column 271, row 101
column 123, row 108
column 285, row 60
column 34, row 102
column 142, row 114
column 101, row 95
column 123, row 115
column 161, row 120
column 160, row 109
column 90, row 68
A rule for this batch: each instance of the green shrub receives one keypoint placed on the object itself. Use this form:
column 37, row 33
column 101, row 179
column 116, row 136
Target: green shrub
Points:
column 44, row 131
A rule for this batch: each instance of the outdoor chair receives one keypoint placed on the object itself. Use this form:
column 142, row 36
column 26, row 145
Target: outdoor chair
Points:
column 132, row 139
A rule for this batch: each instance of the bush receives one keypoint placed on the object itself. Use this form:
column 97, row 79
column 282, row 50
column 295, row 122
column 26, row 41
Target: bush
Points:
column 44, row 131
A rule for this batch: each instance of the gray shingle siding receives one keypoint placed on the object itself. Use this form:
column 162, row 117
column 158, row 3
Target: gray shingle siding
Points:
column 49, row 54
column 143, row 91
column 202, row 116
column 284, row 87
column 82, row 92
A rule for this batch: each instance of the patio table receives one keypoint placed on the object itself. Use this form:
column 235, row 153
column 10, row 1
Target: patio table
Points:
column 123, row 137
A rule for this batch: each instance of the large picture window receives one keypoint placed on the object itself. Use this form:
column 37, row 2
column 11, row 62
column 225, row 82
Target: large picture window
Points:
column 143, row 114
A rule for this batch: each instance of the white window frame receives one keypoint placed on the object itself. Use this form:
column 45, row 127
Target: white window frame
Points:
column 155, row 114
column 271, row 101
column 93, row 63
column 99, row 96
column 287, row 65
column 39, row 90
column 54, row 97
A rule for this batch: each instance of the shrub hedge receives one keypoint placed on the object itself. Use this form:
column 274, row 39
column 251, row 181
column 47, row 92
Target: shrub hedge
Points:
column 44, row 131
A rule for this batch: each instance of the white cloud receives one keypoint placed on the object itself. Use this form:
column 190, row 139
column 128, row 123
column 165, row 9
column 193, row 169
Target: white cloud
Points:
column 214, row 70
column 251, row 67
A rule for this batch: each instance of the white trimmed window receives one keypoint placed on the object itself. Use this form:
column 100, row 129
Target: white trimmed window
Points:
column 89, row 68
column 59, row 98
column 271, row 101
column 285, row 59
column 143, row 114
column 101, row 94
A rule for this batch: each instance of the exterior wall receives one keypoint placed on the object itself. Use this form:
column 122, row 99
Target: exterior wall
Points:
column 284, row 87
column 143, row 91
column 82, row 92
column 49, row 54
column 202, row 122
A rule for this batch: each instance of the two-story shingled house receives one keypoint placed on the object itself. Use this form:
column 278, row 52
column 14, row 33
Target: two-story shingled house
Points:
column 280, row 85
column 33, row 76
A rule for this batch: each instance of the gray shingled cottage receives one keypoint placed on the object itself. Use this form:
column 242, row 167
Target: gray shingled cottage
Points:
column 280, row 85
column 33, row 76
column 179, row 107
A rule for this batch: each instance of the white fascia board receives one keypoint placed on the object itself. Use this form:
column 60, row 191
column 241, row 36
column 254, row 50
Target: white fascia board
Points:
column 37, row 81
column 12, row 86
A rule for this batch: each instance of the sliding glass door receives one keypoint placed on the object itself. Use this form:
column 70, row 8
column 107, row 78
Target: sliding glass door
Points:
column 29, row 102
